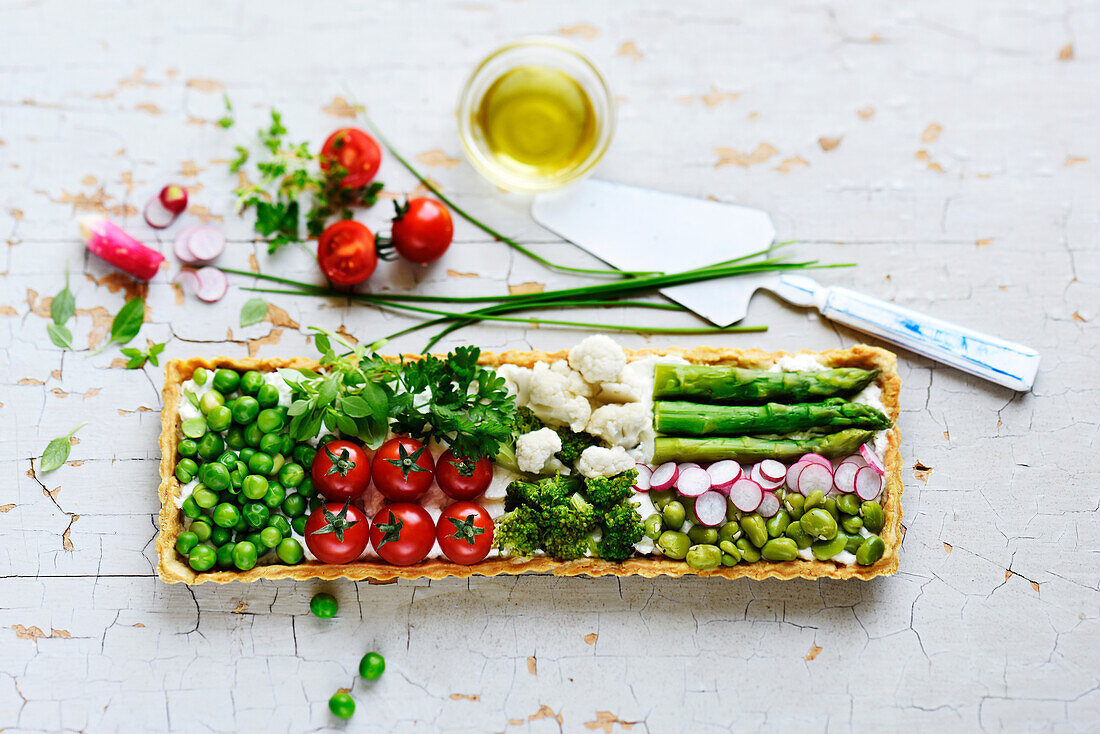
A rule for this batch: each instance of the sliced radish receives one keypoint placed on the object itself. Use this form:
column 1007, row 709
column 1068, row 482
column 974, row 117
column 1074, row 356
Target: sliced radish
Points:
column 793, row 472
column 769, row 505
column 173, row 198
column 156, row 215
column 746, row 495
column 644, row 474
column 181, row 247
column 686, row 465
column 817, row 459
column 187, row 279
column 868, row 483
column 844, row 478
column 693, row 481
column 872, row 458
column 710, row 508
column 723, row 474
column 664, row 476
column 206, row 242
column 757, row 476
column 212, row 284
column 772, row 469
column 813, row 478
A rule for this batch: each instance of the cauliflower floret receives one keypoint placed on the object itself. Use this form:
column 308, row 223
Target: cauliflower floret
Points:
column 517, row 380
column 549, row 397
column 597, row 461
column 598, row 358
column 535, row 450
column 631, row 387
column 620, row 425
column 575, row 381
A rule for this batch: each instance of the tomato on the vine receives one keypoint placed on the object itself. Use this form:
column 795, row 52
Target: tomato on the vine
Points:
column 346, row 252
column 340, row 470
column 402, row 533
column 355, row 152
column 422, row 230
column 465, row 532
column 463, row 479
column 403, row 469
column 337, row 533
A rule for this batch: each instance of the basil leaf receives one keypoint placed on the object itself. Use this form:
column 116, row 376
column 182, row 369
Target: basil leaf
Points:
column 253, row 311
column 60, row 335
column 327, row 392
column 63, row 306
column 127, row 322
column 322, row 342
column 376, row 398
column 346, row 425
column 57, row 451
column 298, row 407
column 355, row 406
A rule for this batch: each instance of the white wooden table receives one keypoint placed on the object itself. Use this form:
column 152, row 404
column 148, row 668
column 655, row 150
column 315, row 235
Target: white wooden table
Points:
column 948, row 148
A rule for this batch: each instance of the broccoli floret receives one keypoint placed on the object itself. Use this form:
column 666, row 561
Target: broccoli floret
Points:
column 525, row 422
column 573, row 443
column 565, row 530
column 622, row 528
column 519, row 532
column 603, row 492
column 541, row 494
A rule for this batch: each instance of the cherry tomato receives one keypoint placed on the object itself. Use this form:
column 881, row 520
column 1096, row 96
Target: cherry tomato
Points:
column 346, row 253
column 340, row 470
column 462, row 479
column 356, row 152
column 422, row 230
column 402, row 533
column 337, row 533
column 465, row 532
column 403, row 469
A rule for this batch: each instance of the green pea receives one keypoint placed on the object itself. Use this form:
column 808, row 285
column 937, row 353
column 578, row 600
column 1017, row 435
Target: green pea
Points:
column 852, row 541
column 271, row 537
column 823, row 550
column 241, row 527
column 780, row 549
column 730, row 531
column 280, row 523
column 730, row 560
column 190, row 509
column 794, row 503
column 244, row 555
column 704, row 557
column 689, row 510
column 342, row 705
column 274, row 496
column 210, row 400
column 256, row 514
column 205, row 498
column 245, row 409
column 186, row 470
column 236, row 477
column 291, row 475
column 260, row 463
column 372, row 666
column 702, row 535
column 193, row 427
column 777, row 523
column 306, row 488
column 277, row 463
column 674, row 515
column 299, row 524
column 228, row 459
column 254, row 486
column 255, row 539
column 202, row 558
column 728, row 547
column 801, row 538
column 819, row 524
column 251, row 381
column 653, row 526
column 813, row 499
column 870, row 551
column 674, row 544
column 225, row 555
column 830, row 507
column 327, row 438
column 290, row 551
column 185, row 541
column 202, row 530
column 749, row 553
column 210, row 446
column 267, row 396
column 252, row 435
column 271, row 443
column 323, row 606
column 219, row 536
column 187, row 447
column 199, row 376
column 219, row 418
column 246, row 453
column 848, row 504
column 295, row 504
column 226, row 515
column 215, row 476
column 873, row 517
column 269, row 420
column 226, row 380
column 658, row 498
column 234, row 438
column 851, row 523
column 755, row 530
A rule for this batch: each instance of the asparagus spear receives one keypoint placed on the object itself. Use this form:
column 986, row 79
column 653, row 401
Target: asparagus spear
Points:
column 834, row 414
column 750, row 448
column 723, row 384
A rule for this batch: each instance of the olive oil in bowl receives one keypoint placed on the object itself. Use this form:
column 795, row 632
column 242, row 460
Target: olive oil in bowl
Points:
column 535, row 115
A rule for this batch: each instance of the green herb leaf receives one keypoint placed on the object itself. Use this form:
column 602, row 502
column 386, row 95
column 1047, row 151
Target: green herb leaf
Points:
column 60, row 335
column 228, row 119
column 63, row 306
column 57, row 451
column 355, row 406
column 127, row 322
column 253, row 311
column 298, row 407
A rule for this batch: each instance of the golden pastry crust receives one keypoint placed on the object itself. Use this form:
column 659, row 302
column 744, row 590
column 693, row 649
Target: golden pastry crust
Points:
column 173, row 569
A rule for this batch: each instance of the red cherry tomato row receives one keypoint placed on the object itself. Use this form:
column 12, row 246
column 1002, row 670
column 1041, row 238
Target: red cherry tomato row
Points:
column 346, row 251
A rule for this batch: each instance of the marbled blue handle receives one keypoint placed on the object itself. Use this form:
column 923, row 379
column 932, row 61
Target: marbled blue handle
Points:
column 1003, row 362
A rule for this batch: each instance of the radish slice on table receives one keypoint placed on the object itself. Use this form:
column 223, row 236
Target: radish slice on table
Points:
column 206, row 242
column 757, row 476
column 793, row 472
column 817, row 459
column 187, row 279
column 693, row 481
column 664, row 476
column 772, row 470
column 181, row 248
column 644, row 474
column 746, row 495
column 868, row 484
column 173, row 198
column 813, row 478
column 769, row 505
column 212, row 284
column 723, row 474
column 710, row 508
column 844, row 478
column 106, row 239
column 156, row 216
column 872, row 459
